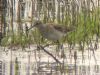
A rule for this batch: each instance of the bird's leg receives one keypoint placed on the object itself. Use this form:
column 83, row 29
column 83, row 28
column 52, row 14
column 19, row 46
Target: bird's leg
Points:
column 60, row 50
column 63, row 52
column 59, row 47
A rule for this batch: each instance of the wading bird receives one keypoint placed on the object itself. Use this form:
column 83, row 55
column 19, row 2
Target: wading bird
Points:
column 52, row 32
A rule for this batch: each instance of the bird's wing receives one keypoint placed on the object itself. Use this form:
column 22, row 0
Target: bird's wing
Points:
column 64, row 29
column 60, row 28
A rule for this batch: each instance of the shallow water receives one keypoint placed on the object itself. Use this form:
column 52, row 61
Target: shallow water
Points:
column 33, row 61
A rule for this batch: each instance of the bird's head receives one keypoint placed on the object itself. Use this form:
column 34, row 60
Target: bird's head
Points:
column 37, row 23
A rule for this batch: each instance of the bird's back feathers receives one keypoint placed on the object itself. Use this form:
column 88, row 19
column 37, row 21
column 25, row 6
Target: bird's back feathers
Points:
column 61, row 28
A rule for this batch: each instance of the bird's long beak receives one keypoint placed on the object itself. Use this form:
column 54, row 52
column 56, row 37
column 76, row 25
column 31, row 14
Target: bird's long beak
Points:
column 31, row 27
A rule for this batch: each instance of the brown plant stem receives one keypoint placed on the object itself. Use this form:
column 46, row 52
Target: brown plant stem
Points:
column 42, row 48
